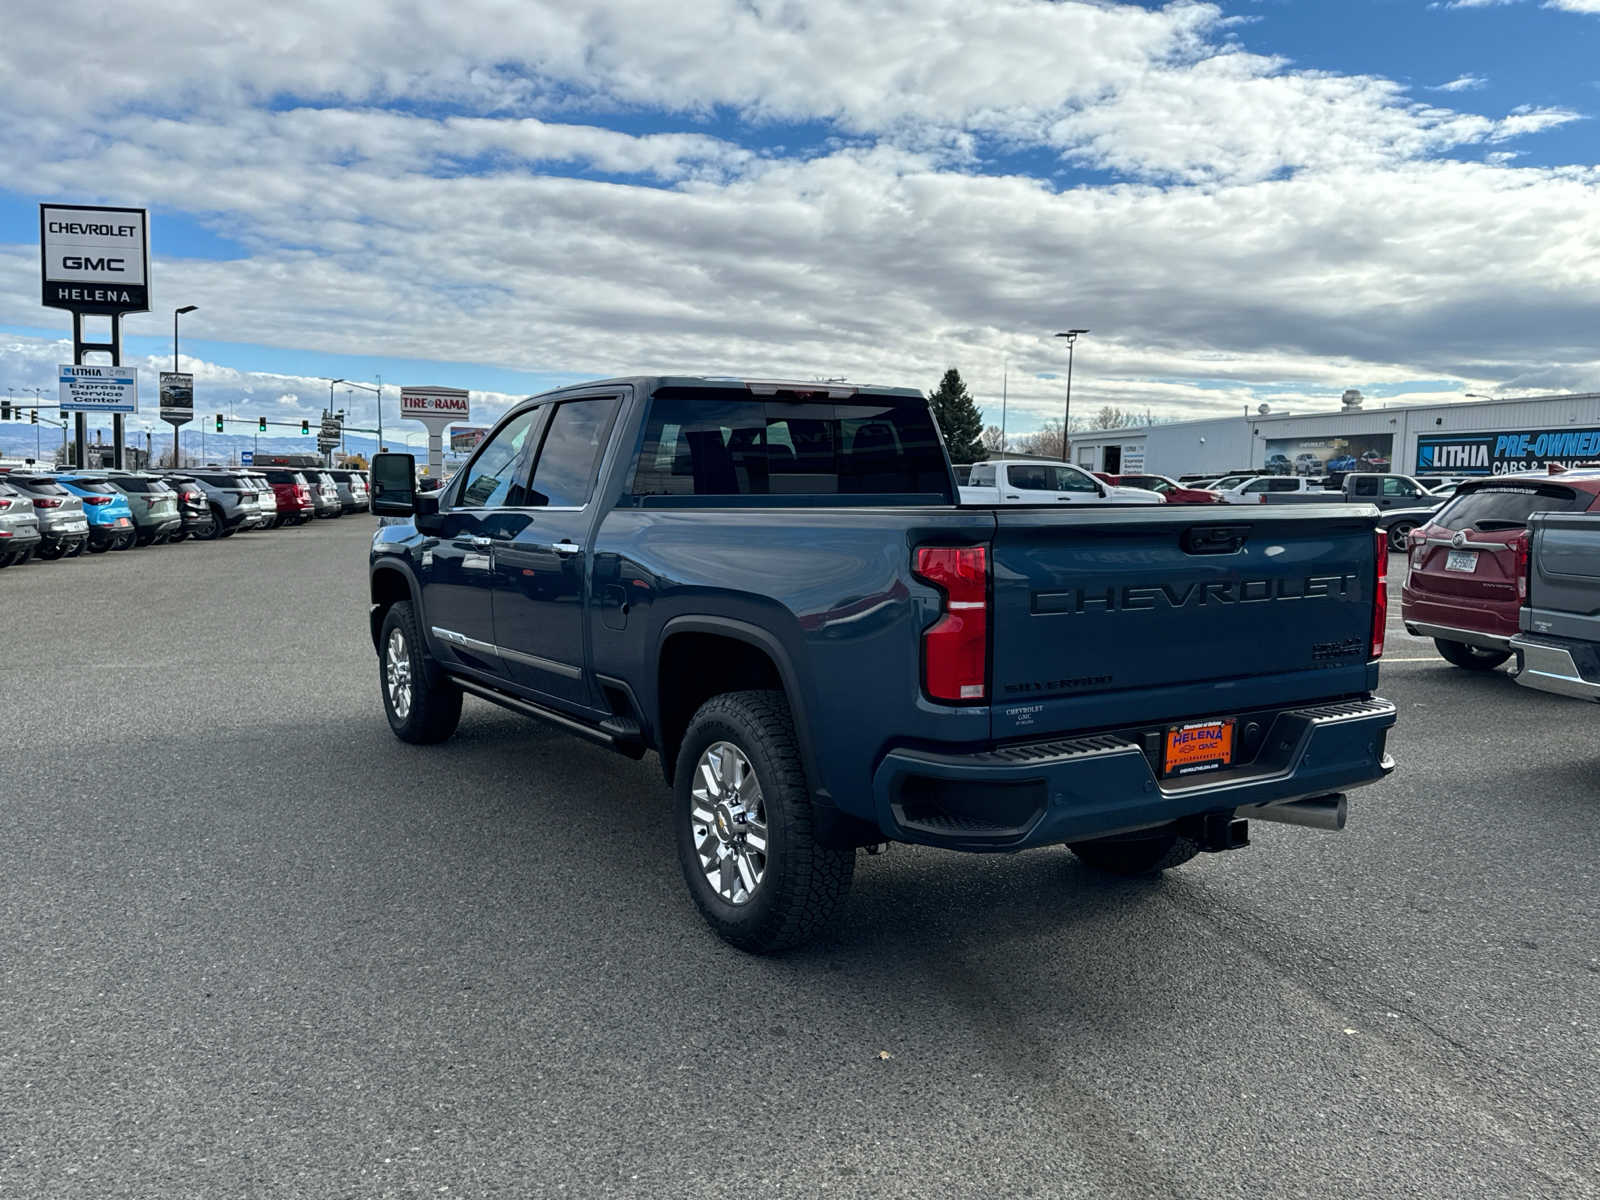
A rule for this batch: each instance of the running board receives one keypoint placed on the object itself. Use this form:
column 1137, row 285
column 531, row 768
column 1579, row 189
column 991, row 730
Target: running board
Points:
column 616, row 737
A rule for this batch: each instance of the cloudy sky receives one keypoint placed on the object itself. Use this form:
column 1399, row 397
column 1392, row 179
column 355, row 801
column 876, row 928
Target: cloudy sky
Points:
column 1256, row 200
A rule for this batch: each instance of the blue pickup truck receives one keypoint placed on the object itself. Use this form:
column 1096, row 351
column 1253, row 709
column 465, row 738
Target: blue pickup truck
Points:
column 774, row 588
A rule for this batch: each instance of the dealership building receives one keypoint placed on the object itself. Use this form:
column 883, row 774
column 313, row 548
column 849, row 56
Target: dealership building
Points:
column 1468, row 437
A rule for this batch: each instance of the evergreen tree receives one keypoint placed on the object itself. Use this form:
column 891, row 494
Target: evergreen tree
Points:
column 960, row 420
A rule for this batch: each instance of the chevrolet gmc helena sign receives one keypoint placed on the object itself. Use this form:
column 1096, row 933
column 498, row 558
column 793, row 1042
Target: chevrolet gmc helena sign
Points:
column 94, row 260
column 416, row 402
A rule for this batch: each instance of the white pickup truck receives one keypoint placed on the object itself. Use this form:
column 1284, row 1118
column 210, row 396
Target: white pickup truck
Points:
column 1044, row 481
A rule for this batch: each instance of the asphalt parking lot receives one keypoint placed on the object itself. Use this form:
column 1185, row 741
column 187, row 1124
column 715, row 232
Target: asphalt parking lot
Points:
column 256, row 946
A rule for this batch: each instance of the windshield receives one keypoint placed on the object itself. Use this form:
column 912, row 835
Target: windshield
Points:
column 1508, row 506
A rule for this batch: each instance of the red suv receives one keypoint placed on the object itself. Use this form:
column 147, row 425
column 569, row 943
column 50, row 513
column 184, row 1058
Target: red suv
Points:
column 294, row 496
column 1469, row 563
column 1169, row 490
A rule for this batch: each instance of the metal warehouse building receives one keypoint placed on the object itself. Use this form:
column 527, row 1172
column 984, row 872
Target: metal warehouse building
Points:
column 1482, row 437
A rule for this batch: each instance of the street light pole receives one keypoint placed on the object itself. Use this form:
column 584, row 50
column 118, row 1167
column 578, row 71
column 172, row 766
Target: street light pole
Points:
column 177, row 461
column 1066, row 416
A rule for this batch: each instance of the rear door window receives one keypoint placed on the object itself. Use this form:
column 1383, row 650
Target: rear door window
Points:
column 982, row 476
column 1508, row 507
column 569, row 460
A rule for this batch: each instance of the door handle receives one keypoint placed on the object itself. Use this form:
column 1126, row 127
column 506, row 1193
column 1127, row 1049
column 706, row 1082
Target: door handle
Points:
column 566, row 547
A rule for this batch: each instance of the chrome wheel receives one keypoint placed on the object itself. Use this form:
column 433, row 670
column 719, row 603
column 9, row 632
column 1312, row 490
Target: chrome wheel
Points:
column 397, row 674
column 729, row 821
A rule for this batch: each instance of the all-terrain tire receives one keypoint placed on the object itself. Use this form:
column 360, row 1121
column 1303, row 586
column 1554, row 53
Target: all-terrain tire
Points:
column 802, row 883
column 1138, row 855
column 423, row 706
column 1470, row 657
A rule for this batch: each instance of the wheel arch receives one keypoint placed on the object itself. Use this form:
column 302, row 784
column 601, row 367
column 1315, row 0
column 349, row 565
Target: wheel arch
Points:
column 390, row 583
column 756, row 658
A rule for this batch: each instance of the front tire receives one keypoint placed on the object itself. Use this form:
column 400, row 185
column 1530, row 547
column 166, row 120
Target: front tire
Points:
column 423, row 707
column 1139, row 855
column 746, row 828
column 1400, row 534
column 1470, row 657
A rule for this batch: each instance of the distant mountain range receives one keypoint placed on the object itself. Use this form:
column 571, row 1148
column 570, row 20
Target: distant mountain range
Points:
column 18, row 440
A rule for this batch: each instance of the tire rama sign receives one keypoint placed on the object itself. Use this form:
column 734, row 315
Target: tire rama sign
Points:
column 94, row 260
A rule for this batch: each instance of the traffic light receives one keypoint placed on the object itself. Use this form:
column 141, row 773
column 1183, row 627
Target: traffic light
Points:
column 261, row 424
column 5, row 410
column 305, row 427
column 33, row 416
column 219, row 422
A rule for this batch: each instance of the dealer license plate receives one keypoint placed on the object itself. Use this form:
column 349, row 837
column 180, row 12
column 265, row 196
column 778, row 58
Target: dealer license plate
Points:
column 123, row 522
column 1200, row 746
column 1461, row 560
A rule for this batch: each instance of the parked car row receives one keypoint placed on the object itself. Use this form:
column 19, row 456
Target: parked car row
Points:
column 60, row 514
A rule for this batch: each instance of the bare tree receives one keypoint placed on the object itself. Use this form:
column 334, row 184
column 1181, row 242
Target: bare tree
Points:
column 993, row 439
column 1044, row 442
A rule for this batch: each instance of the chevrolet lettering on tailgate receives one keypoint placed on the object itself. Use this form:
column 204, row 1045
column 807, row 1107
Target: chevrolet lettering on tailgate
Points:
column 1147, row 597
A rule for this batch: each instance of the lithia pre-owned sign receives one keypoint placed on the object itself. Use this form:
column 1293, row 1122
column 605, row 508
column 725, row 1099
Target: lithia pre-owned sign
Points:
column 1506, row 452
column 94, row 260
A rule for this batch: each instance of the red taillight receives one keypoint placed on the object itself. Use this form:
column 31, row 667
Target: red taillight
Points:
column 46, row 502
column 955, row 648
column 1523, row 558
column 1380, row 594
column 302, row 495
column 97, row 499
column 4, row 503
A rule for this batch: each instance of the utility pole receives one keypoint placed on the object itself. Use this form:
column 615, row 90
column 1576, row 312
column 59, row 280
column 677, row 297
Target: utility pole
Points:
column 1066, row 416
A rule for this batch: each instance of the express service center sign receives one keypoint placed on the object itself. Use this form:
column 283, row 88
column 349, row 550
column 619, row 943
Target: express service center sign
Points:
column 94, row 260
column 97, row 389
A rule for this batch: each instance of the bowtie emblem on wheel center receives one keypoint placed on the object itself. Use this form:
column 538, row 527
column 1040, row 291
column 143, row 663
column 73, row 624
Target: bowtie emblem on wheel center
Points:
column 727, row 822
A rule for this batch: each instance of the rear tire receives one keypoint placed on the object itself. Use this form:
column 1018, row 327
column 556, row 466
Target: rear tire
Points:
column 1399, row 534
column 50, row 552
column 746, row 828
column 97, row 547
column 1470, row 657
column 423, row 706
column 1138, row 855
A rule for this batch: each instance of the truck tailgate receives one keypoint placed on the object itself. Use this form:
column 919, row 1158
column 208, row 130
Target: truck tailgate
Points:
column 1111, row 617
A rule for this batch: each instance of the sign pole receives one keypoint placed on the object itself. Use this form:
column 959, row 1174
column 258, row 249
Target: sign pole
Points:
column 80, row 427
column 118, row 430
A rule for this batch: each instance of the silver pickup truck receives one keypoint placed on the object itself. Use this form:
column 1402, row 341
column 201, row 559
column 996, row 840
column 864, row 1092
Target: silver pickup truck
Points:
column 1558, row 648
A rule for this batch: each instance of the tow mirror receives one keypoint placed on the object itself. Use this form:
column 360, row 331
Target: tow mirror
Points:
column 394, row 485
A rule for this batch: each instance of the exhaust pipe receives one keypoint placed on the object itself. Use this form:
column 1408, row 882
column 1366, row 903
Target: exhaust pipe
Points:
column 1316, row 812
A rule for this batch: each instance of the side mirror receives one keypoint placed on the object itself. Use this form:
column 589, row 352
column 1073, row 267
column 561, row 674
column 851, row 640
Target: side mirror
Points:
column 394, row 485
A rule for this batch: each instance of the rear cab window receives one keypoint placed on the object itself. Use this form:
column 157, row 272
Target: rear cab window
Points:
column 721, row 442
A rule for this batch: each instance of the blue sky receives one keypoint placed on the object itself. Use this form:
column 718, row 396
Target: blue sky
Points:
column 1262, row 200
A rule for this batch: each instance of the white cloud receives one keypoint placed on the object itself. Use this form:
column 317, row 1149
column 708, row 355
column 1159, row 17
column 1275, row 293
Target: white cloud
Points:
column 424, row 188
column 1462, row 83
